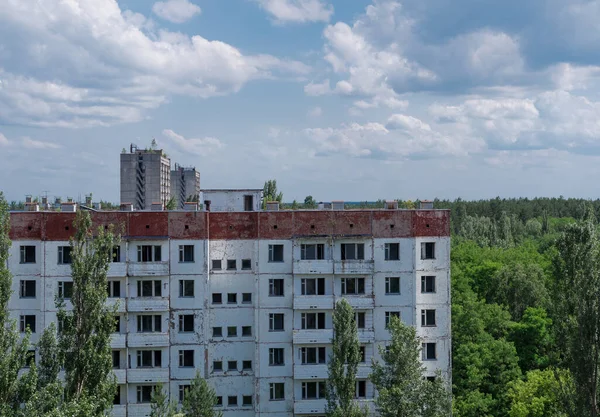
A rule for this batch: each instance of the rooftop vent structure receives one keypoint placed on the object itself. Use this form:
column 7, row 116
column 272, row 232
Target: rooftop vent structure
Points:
column 28, row 199
column 426, row 205
column 126, row 206
column 190, row 206
column 337, row 205
column 157, row 206
column 32, row 206
column 68, row 207
column 272, row 205
column 324, row 206
column 391, row 205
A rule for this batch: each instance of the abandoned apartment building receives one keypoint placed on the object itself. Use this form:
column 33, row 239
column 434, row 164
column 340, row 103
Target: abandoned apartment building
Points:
column 245, row 296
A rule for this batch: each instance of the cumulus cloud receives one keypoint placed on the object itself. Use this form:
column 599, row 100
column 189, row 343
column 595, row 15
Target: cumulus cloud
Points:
column 89, row 64
column 317, row 89
column 176, row 11
column 297, row 11
column 195, row 146
column 29, row 143
column 315, row 112
column 3, row 140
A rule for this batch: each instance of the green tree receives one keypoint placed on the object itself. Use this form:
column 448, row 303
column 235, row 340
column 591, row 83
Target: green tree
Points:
column 538, row 395
column 309, row 202
column 576, row 295
column 161, row 406
column 270, row 193
column 200, row 399
column 399, row 379
column 84, row 340
column 13, row 347
column 295, row 205
column 343, row 364
column 171, row 204
column 533, row 339
column 50, row 358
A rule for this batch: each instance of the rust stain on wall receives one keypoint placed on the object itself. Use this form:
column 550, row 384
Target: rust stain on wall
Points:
column 308, row 223
column 24, row 226
column 275, row 225
column 392, row 223
column 431, row 223
column 149, row 223
column 58, row 226
column 235, row 225
column 187, row 225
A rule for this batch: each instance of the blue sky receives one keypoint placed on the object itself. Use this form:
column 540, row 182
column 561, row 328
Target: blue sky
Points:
column 353, row 100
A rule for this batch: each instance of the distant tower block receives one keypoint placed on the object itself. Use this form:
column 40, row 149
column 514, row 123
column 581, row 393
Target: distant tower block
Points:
column 185, row 185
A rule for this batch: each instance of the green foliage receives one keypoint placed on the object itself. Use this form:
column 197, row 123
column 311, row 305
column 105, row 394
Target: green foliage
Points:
column 538, row 395
column 161, row 406
column 270, row 193
column 200, row 399
column 171, row 204
column 403, row 391
column 309, row 202
column 533, row 339
column 343, row 364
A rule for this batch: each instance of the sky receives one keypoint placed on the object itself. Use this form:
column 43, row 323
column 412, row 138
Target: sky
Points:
column 339, row 99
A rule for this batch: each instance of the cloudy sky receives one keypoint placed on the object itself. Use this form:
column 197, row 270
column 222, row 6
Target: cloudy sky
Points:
column 341, row 99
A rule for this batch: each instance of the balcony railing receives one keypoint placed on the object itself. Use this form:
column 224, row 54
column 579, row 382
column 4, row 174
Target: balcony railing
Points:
column 119, row 302
column 310, row 406
column 144, row 269
column 121, row 375
column 137, row 304
column 147, row 375
column 324, row 267
column 360, row 302
column 119, row 411
column 310, row 371
column 303, row 337
column 354, row 267
column 366, row 336
column 117, row 269
column 308, row 302
column 148, row 339
column 118, row 340
column 138, row 410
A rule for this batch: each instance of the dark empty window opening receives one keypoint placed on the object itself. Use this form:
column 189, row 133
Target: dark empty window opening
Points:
column 428, row 250
column 27, row 254
column 352, row 251
column 248, row 203
column 231, row 264
column 275, row 253
column 246, row 264
column 216, row 264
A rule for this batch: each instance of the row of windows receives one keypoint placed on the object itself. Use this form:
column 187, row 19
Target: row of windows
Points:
column 153, row 253
column 309, row 286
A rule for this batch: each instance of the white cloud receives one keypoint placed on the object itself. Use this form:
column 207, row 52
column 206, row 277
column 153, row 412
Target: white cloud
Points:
column 317, row 89
column 90, row 64
column 195, row 146
column 176, row 11
column 29, row 143
column 315, row 112
column 297, row 11
column 3, row 140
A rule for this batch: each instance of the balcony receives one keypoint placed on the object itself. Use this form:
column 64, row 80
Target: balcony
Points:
column 118, row 340
column 147, row 375
column 310, row 371
column 366, row 336
column 361, row 302
column 148, row 339
column 323, row 267
column 354, row 267
column 138, row 410
column 363, row 371
column 310, row 406
column 148, row 269
column 119, row 411
column 303, row 337
column 121, row 375
column 119, row 302
column 141, row 304
column 117, row 269
column 310, row 302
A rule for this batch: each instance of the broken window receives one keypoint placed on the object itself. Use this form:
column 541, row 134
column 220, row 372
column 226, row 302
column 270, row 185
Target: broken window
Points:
column 276, row 357
column 186, row 323
column 276, row 287
column 275, row 253
column 428, row 284
column 231, row 265
column 389, row 315
column 186, row 253
column 312, row 251
column 313, row 286
column 149, row 288
column 27, row 289
column 313, row 355
column 392, row 285
column 352, row 251
column 246, row 264
column 392, row 251
column 186, row 288
column 186, row 358
column 216, row 264
column 114, row 289
column 64, row 255
column 353, row 286
column 28, row 254
column 149, row 323
column 427, row 250
column 149, row 253
column 276, row 322
column 428, row 318
column 312, row 320
column 428, row 351
column 27, row 322
column 65, row 289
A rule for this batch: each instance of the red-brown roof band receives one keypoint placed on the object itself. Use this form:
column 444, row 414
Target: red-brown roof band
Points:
column 47, row 225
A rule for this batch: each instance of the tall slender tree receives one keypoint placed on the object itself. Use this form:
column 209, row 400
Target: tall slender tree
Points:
column 270, row 193
column 161, row 405
column 343, row 364
column 200, row 399
column 403, row 391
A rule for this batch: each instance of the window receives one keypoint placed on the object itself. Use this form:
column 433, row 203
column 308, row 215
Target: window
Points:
column 313, row 320
column 149, row 323
column 430, row 378
column 428, row 351
column 186, row 288
column 312, row 252
column 216, row 264
column 353, row 251
column 28, row 254
column 217, row 366
column 217, row 298
column 116, row 359
column 276, row 357
column 186, row 253
column 149, row 253
column 27, row 322
column 246, row 264
column 392, row 285
column 248, row 203
column 117, row 398
column 246, row 331
column 276, row 391
column 182, row 390
column 275, row 253
column 313, row 390
column 428, row 284
column 312, row 355
column 186, row 358
column 144, row 393
column 231, row 331
column 217, row 332
column 246, row 365
column 313, row 286
column 392, row 251
column 363, row 354
column 276, row 322
column 360, row 316
column 149, row 288
column 29, row 358
column 276, row 287
column 65, row 289
column 116, row 254
column 427, row 250
column 231, row 264
column 116, row 329
column 246, row 298
column 246, row 400
column 232, row 401
column 361, row 389
column 113, row 289
column 219, row 401
column 27, row 289
column 149, row 358
column 64, row 255
column 428, row 318
column 232, row 365
column 389, row 315
column 353, row 286
column 186, row 323
column 231, row 298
